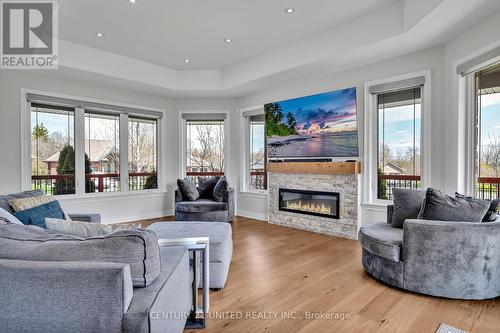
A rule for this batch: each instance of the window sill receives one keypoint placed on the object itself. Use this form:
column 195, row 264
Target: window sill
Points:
column 255, row 194
column 111, row 196
column 377, row 206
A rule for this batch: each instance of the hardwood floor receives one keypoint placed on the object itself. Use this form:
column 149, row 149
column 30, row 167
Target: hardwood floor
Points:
column 283, row 271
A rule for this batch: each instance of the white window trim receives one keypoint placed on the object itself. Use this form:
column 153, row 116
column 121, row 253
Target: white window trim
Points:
column 25, row 112
column 467, row 86
column 183, row 140
column 245, row 154
column 370, row 136
column 468, row 106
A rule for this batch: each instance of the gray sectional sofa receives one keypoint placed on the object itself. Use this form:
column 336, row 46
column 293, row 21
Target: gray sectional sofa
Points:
column 449, row 259
column 119, row 282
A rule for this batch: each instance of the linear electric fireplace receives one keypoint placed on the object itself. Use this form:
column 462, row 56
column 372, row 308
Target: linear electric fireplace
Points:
column 316, row 203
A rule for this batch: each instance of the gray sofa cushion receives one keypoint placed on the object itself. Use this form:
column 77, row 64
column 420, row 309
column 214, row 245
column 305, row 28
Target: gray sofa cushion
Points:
column 382, row 239
column 389, row 271
column 441, row 207
column 491, row 214
column 4, row 199
column 63, row 296
column 170, row 293
column 407, row 205
column 206, row 186
column 220, row 188
column 137, row 247
column 219, row 233
column 200, row 206
column 188, row 189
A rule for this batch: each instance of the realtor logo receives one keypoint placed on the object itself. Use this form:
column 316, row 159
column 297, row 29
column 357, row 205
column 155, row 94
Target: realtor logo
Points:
column 29, row 34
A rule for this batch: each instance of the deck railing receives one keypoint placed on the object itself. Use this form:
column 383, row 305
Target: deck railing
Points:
column 486, row 188
column 95, row 182
column 397, row 181
column 258, row 179
column 195, row 175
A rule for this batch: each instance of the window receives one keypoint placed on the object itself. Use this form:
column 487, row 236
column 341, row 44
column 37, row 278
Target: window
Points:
column 52, row 149
column 399, row 128
column 142, row 157
column 204, row 148
column 102, row 152
column 80, row 147
column 488, row 133
column 257, row 158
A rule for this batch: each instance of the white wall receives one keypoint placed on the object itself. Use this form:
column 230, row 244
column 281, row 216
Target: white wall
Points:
column 432, row 59
column 113, row 207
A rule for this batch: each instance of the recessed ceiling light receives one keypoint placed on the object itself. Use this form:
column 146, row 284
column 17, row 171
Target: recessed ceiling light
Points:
column 131, row 1
column 187, row 61
column 289, row 10
column 99, row 34
column 228, row 40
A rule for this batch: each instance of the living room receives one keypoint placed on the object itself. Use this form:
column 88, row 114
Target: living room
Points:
column 289, row 166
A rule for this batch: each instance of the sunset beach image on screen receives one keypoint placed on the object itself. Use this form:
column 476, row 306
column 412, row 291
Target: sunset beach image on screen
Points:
column 322, row 125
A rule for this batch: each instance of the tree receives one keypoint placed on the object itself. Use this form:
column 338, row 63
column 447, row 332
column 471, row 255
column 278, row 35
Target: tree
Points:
column 209, row 152
column 151, row 182
column 291, row 121
column 491, row 155
column 40, row 132
column 66, row 168
column 274, row 121
column 382, row 186
column 142, row 147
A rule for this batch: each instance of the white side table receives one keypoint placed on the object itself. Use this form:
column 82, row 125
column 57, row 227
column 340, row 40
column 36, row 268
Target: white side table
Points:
column 195, row 245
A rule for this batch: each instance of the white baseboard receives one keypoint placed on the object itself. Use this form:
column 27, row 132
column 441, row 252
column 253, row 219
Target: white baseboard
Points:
column 252, row 215
column 136, row 217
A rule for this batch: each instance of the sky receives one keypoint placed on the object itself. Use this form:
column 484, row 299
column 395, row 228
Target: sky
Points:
column 490, row 118
column 328, row 112
column 54, row 122
column 399, row 128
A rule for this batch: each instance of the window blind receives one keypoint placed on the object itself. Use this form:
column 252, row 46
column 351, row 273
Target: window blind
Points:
column 203, row 116
column 397, row 85
column 486, row 59
column 91, row 106
column 258, row 117
column 399, row 98
column 251, row 113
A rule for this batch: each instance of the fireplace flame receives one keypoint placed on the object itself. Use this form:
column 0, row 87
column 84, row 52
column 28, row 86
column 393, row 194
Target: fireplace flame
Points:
column 309, row 207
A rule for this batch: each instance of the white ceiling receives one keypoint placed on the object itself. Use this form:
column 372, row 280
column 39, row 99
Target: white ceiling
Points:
column 145, row 43
column 165, row 32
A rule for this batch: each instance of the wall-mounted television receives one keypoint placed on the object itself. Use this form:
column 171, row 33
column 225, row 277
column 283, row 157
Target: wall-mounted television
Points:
column 316, row 126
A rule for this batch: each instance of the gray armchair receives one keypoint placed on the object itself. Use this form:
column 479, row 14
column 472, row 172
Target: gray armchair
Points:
column 205, row 209
column 448, row 259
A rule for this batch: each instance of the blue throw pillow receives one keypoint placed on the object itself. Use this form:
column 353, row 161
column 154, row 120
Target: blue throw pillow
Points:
column 36, row 215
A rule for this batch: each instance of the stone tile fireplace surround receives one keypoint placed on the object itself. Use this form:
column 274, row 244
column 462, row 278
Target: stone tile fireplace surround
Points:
column 344, row 184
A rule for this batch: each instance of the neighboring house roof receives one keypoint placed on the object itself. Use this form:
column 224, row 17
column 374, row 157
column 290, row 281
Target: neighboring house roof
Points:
column 98, row 150
column 390, row 168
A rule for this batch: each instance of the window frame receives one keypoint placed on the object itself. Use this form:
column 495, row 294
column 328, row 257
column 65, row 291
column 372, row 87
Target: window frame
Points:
column 183, row 140
column 79, row 137
column 245, row 152
column 370, row 173
column 469, row 98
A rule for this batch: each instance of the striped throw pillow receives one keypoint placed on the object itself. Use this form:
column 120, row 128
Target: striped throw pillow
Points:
column 27, row 203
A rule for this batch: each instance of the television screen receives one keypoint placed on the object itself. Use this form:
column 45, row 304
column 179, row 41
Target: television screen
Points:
column 317, row 126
